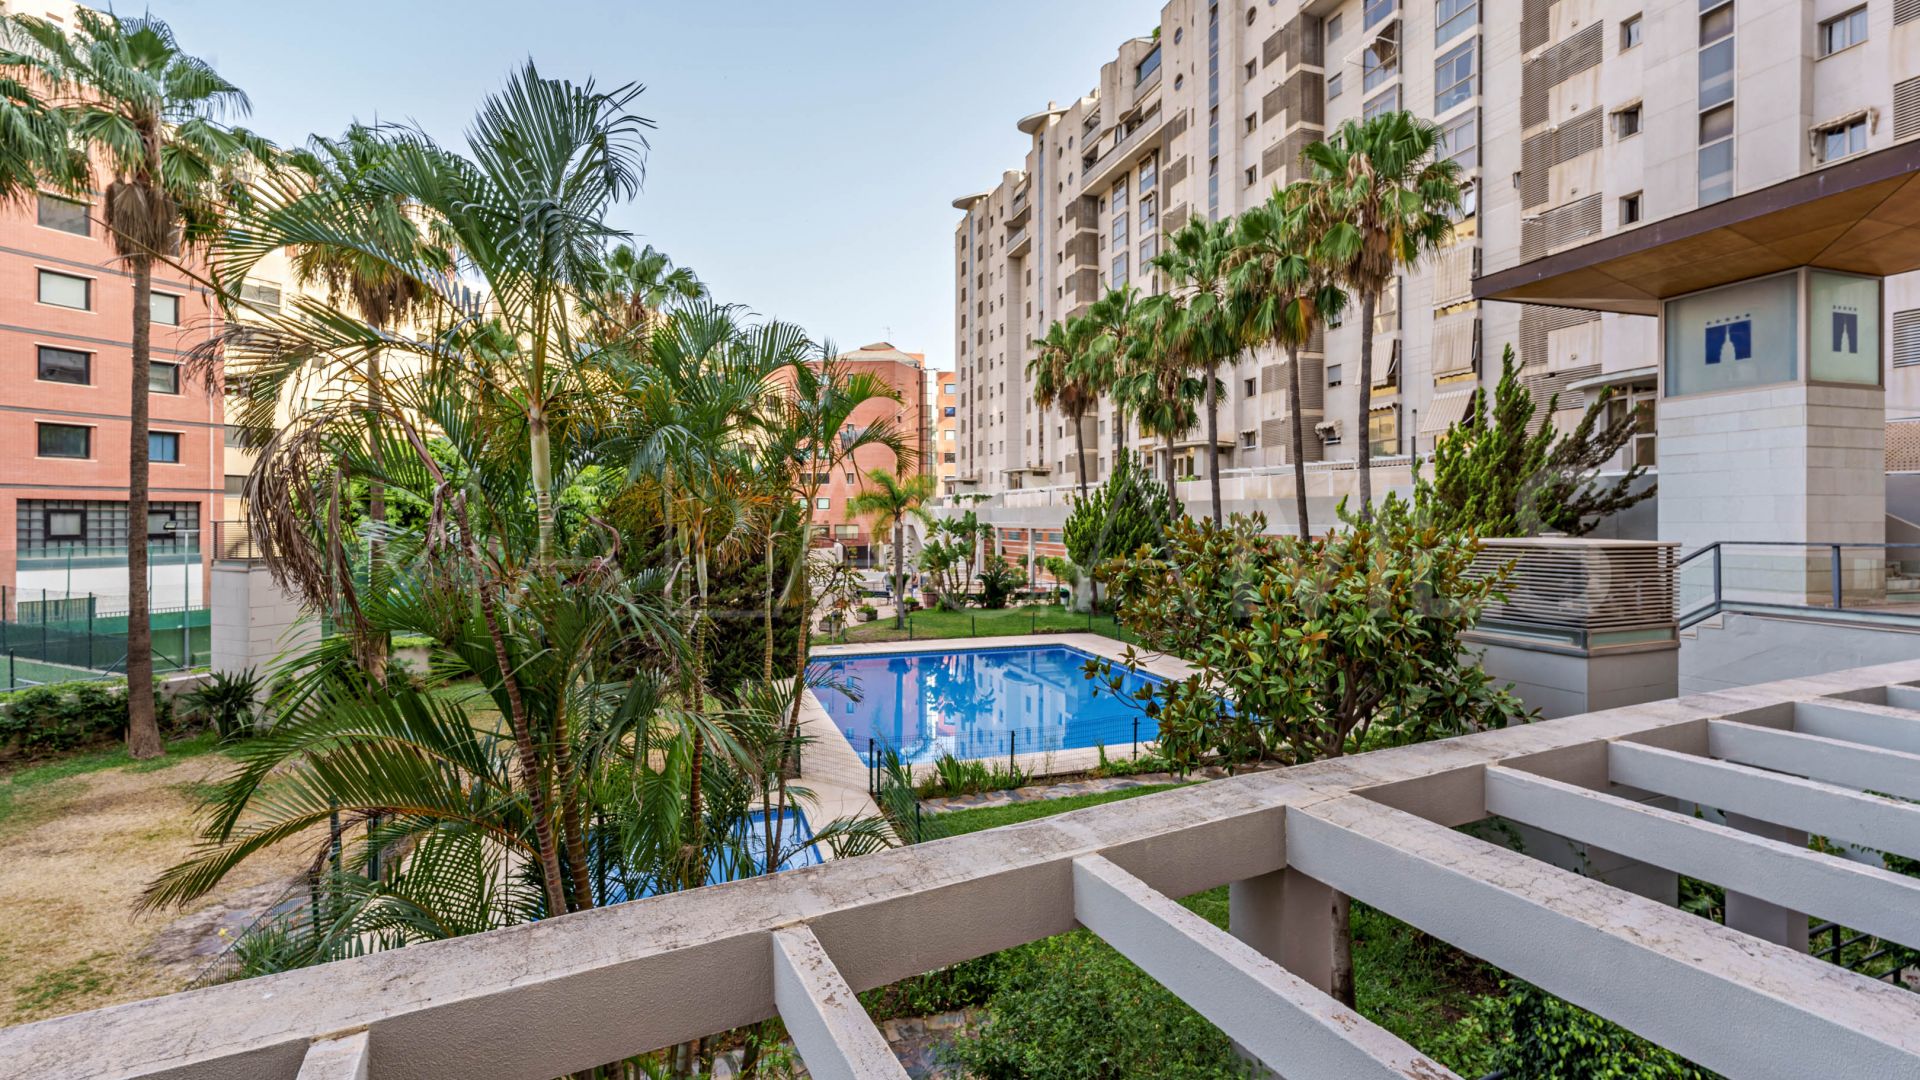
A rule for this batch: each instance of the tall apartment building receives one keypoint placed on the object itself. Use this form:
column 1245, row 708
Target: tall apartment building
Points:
column 1571, row 120
column 945, row 405
column 67, row 356
column 912, row 416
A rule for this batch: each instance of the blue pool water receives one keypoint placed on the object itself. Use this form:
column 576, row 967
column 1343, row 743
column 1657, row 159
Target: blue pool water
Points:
column 976, row 703
column 747, row 858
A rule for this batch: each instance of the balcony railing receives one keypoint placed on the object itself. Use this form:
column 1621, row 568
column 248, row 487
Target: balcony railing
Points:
column 1742, row 999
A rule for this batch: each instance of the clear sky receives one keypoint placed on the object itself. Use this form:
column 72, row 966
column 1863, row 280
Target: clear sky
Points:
column 807, row 152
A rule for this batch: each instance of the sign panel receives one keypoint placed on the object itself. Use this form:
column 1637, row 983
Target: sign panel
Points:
column 1734, row 337
column 1843, row 328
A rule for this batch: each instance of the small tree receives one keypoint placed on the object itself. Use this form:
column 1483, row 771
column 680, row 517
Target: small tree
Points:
column 1124, row 514
column 1492, row 478
column 948, row 555
column 1323, row 647
column 889, row 500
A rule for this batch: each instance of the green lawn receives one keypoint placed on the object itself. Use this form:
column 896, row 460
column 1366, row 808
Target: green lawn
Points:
column 979, row 622
column 1074, row 998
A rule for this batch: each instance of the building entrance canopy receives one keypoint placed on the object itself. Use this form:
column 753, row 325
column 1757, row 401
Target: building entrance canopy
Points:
column 1860, row 216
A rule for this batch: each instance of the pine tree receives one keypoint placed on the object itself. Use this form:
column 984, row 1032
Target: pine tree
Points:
column 1492, row 477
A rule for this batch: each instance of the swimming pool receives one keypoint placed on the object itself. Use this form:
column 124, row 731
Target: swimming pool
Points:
column 976, row 703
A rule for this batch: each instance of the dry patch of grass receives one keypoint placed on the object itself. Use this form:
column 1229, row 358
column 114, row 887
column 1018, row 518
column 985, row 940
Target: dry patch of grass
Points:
column 79, row 844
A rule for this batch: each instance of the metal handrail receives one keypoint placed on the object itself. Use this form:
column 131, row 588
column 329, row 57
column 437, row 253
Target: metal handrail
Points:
column 1718, row 601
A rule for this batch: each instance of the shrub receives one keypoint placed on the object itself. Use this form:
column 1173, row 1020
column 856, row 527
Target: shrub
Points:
column 1076, row 1010
column 999, row 580
column 229, row 702
column 955, row 777
column 1323, row 646
column 1552, row 1040
column 59, row 717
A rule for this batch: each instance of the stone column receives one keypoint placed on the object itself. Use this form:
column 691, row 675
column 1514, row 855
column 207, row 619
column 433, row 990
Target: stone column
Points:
column 1764, row 920
column 1288, row 918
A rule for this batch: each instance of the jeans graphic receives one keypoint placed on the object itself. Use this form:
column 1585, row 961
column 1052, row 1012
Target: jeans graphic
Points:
column 1846, row 328
column 1735, row 338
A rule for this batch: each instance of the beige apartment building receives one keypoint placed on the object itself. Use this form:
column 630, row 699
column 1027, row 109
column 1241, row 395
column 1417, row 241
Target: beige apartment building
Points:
column 945, row 410
column 1571, row 121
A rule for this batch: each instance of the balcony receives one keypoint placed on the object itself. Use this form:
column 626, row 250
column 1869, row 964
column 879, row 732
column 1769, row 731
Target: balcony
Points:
column 558, row 996
column 1020, row 243
column 1110, row 164
column 1020, row 210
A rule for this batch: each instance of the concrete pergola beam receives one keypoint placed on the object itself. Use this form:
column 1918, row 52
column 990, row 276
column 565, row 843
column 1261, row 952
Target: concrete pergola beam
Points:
column 1737, row 1005
column 347, row 1057
column 1825, row 809
column 1864, row 897
column 1884, row 726
column 1275, row 1015
column 1816, row 757
column 835, row 1036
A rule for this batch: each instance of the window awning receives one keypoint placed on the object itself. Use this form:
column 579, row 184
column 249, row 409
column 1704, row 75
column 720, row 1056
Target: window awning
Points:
column 1444, row 411
column 1861, row 215
column 1616, row 378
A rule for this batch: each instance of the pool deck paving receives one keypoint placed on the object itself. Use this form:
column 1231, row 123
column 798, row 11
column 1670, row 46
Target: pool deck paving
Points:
column 1063, row 762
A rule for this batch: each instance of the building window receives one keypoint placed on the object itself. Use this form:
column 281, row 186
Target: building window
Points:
column 1253, row 122
column 63, row 214
column 1383, row 431
column 823, row 503
column 1248, row 440
column 1333, row 85
column 160, row 524
column 1452, row 17
column 1375, row 71
column 1375, row 11
column 163, row 378
column 1147, row 67
column 1119, row 270
column 1629, row 32
column 1252, row 69
column 66, row 524
column 1626, row 122
column 1842, row 140
column 1453, row 78
column 1149, row 214
column 66, row 441
column 1460, row 139
column 1386, row 101
column 236, row 485
column 1843, row 31
column 1149, row 247
column 1716, row 56
column 1716, row 154
column 267, row 297
column 1333, row 374
column 166, row 309
column 65, row 366
column 1249, row 387
column 1334, row 26
column 1149, row 174
column 1253, row 175
column 1630, row 208
column 66, row 290
column 163, row 446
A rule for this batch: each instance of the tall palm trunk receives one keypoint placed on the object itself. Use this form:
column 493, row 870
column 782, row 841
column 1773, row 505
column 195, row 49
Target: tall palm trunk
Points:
column 1299, row 443
column 572, row 825
column 540, row 443
column 1173, row 495
column 143, row 731
column 899, row 575
column 1213, row 439
column 1369, row 297
column 532, row 775
column 376, row 647
column 1080, row 448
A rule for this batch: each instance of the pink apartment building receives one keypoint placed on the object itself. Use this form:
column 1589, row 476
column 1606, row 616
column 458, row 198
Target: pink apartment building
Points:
column 66, row 323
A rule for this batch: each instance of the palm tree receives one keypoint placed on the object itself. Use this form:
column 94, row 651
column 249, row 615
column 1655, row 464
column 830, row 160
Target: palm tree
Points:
column 1159, row 383
column 1195, row 261
column 1386, row 200
column 1060, row 379
column 1286, row 293
column 149, row 114
column 1103, row 363
column 890, row 499
column 634, row 289
column 35, row 149
column 384, row 295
